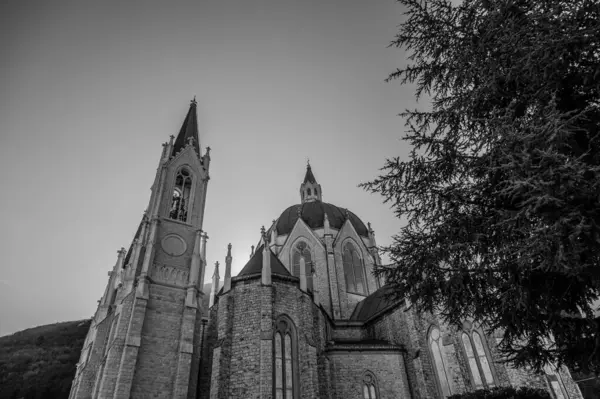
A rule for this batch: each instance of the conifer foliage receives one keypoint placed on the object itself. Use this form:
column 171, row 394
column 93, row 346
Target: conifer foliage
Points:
column 501, row 191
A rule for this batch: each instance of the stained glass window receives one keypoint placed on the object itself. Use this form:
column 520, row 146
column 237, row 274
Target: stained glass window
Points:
column 478, row 360
column 438, row 359
column 284, row 360
column 353, row 270
column 302, row 253
column 483, row 360
column 369, row 382
column 472, row 361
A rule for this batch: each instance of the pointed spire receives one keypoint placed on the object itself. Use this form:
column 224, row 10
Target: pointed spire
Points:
column 310, row 190
column 309, row 177
column 188, row 131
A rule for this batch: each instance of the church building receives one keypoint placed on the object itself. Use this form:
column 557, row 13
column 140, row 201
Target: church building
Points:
column 304, row 318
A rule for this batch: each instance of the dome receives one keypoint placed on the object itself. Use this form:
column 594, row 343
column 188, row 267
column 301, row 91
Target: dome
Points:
column 313, row 214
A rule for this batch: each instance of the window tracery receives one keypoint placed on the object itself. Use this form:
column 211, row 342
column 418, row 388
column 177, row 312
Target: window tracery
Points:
column 477, row 359
column 284, row 368
column 181, row 196
column 435, row 345
column 353, row 270
column 369, row 386
column 302, row 257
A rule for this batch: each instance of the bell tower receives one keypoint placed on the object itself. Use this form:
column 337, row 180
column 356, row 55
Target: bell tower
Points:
column 144, row 340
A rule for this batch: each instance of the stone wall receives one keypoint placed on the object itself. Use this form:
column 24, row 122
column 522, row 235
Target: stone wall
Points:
column 349, row 368
column 157, row 358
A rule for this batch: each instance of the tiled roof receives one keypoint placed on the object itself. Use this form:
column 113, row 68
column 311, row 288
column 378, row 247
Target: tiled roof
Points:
column 255, row 264
column 380, row 300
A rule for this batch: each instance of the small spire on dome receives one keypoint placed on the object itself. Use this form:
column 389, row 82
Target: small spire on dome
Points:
column 310, row 190
column 309, row 177
column 193, row 102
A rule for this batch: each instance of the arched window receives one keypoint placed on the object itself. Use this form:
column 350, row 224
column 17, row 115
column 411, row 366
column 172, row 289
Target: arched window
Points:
column 308, row 191
column 471, row 357
column 478, row 361
column 302, row 257
column 285, row 368
column 316, row 192
column 181, row 195
column 370, row 386
column 435, row 344
column 555, row 382
column 353, row 270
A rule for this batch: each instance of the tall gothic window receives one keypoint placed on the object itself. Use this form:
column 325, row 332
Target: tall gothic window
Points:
column 369, row 386
column 302, row 258
column 180, row 202
column 353, row 270
column 478, row 360
column 285, row 368
column 555, row 382
column 435, row 344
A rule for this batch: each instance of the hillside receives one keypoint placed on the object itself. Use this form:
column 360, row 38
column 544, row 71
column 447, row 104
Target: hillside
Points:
column 39, row 363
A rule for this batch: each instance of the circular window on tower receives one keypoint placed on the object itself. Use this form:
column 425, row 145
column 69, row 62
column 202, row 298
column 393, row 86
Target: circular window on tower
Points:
column 173, row 245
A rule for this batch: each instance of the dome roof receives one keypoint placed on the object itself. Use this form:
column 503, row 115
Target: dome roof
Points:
column 313, row 213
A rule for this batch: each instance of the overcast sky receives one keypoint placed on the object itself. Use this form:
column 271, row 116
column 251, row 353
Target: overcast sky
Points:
column 90, row 90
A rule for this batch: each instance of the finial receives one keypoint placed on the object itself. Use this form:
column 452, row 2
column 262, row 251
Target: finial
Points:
column 207, row 150
column 193, row 101
column 299, row 211
column 217, row 265
column 252, row 250
column 347, row 214
column 229, row 250
column 307, row 162
column 263, row 232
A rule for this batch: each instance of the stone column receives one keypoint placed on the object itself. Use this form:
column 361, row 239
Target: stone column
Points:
column 228, row 258
column 266, row 266
column 215, row 286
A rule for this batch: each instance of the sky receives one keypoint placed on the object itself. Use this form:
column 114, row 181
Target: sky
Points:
column 90, row 90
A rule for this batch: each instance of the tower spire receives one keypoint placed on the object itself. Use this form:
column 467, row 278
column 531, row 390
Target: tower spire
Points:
column 188, row 134
column 310, row 190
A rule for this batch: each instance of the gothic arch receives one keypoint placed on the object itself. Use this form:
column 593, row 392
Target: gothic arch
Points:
column 439, row 363
column 475, row 350
column 285, row 359
column 353, row 263
column 370, row 386
column 302, row 254
column 183, row 185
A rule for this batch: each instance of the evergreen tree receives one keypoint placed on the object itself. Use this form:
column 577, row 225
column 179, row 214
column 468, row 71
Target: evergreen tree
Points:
column 501, row 191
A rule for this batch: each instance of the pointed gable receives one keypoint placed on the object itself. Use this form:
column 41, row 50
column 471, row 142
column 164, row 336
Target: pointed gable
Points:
column 255, row 264
column 189, row 129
